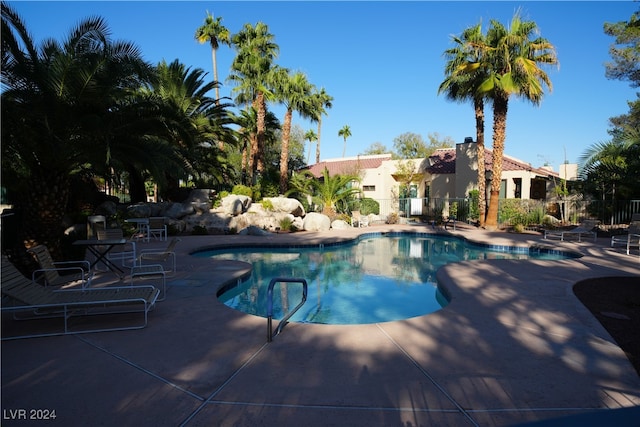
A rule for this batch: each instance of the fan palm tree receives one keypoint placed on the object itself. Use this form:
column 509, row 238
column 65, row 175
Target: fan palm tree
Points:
column 250, row 70
column 345, row 133
column 291, row 90
column 463, row 88
column 310, row 136
column 510, row 60
column 57, row 101
column 215, row 33
column 319, row 102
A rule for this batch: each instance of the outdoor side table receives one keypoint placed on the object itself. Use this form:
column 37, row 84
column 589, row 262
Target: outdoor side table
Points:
column 151, row 270
column 100, row 248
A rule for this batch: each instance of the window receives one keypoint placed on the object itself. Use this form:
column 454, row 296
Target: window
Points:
column 368, row 188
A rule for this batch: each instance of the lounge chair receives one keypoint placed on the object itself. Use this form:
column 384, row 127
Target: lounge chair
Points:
column 358, row 220
column 157, row 228
column 632, row 237
column 59, row 273
column 122, row 253
column 29, row 300
column 586, row 227
column 160, row 257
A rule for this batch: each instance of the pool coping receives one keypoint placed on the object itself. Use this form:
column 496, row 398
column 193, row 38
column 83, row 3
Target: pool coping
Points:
column 503, row 352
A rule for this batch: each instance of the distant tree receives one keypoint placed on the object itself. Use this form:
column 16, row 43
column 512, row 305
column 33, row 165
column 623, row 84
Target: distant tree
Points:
column 625, row 53
column 376, row 148
column 345, row 133
column 214, row 32
column 310, row 136
column 412, row 146
column 320, row 101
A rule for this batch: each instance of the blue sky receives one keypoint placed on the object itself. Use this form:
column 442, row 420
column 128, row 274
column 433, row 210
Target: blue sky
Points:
column 382, row 62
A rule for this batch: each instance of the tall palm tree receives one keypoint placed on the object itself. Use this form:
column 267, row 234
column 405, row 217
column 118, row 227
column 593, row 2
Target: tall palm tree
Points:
column 345, row 133
column 310, row 136
column 57, row 100
column 215, row 33
column 256, row 52
column 461, row 87
column 510, row 58
column 291, row 90
column 320, row 101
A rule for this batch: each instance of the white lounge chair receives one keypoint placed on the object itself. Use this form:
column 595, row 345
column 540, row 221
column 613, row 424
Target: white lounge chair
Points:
column 160, row 256
column 358, row 220
column 59, row 273
column 586, row 227
column 29, row 300
column 631, row 238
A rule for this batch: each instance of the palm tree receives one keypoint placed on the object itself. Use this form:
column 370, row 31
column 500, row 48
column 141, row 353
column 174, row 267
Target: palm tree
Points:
column 510, row 60
column 57, row 103
column 465, row 87
column 214, row 32
column 310, row 136
column 332, row 193
column 250, row 70
column 292, row 90
column 197, row 121
column 318, row 104
column 345, row 132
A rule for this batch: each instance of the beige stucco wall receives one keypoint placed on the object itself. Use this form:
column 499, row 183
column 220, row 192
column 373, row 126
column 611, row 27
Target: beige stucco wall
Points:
column 466, row 169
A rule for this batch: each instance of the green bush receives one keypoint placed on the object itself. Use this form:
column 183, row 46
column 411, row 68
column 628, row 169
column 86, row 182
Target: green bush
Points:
column 242, row 190
column 286, row 224
column 369, row 206
column 267, row 205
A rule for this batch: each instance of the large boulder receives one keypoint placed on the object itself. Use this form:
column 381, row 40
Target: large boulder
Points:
column 252, row 230
column 200, row 200
column 235, row 204
column 286, row 205
column 340, row 224
column 179, row 210
column 314, row 221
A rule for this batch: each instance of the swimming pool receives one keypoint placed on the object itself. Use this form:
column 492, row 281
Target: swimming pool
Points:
column 375, row 278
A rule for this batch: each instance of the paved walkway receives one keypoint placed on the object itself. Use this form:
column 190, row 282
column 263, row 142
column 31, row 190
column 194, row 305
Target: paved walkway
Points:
column 514, row 346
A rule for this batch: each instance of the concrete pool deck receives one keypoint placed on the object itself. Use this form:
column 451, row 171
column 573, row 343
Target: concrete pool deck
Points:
column 514, row 346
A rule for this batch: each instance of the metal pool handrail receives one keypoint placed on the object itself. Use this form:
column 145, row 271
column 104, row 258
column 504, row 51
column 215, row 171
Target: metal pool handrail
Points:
column 283, row 322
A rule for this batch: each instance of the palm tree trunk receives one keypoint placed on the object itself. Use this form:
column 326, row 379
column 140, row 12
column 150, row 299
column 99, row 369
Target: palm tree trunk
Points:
column 43, row 209
column 215, row 73
column 318, row 141
column 482, row 200
column 260, row 126
column 284, row 153
column 500, row 106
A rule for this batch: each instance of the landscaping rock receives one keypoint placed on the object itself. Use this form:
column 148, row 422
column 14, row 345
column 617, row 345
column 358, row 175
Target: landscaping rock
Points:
column 314, row 221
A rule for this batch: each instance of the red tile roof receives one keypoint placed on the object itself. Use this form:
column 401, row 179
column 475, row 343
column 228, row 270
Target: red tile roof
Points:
column 348, row 165
column 444, row 162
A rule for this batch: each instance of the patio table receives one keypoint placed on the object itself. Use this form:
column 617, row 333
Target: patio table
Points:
column 100, row 248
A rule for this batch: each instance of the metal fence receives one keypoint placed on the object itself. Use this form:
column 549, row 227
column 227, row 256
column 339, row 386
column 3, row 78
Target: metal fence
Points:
column 513, row 211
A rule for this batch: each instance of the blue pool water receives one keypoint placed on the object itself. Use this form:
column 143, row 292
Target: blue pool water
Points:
column 377, row 278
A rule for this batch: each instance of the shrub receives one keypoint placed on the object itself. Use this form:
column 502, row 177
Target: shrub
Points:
column 369, row 206
column 392, row 218
column 242, row 190
column 267, row 205
column 199, row 230
column 286, row 224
